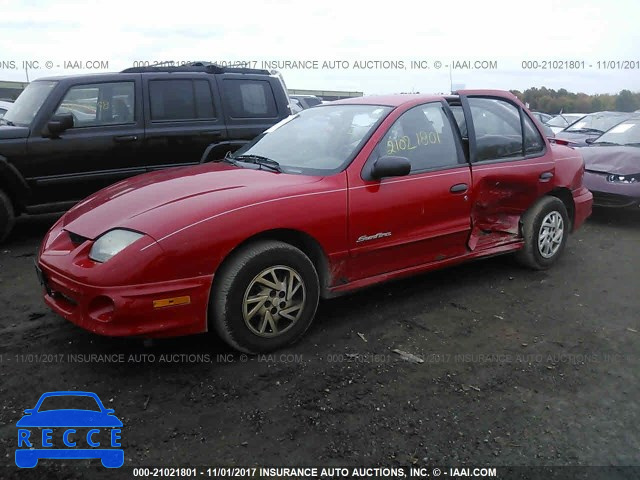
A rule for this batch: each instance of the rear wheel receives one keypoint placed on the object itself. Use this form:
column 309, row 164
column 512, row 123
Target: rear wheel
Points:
column 7, row 216
column 264, row 297
column 545, row 227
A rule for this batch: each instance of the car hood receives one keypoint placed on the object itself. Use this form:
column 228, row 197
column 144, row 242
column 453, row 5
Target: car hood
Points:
column 160, row 203
column 619, row 160
column 69, row 418
column 7, row 132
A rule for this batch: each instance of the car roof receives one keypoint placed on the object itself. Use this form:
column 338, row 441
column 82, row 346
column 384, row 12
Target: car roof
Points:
column 398, row 99
column 69, row 393
column 387, row 100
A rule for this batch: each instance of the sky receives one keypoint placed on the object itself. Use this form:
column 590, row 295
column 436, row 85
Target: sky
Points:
column 503, row 34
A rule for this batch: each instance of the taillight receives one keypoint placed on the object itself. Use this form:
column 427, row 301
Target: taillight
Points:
column 561, row 141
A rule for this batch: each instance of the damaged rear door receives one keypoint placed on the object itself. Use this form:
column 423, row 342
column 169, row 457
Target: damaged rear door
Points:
column 511, row 166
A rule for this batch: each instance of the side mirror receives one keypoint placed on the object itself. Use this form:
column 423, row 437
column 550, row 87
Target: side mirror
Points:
column 389, row 166
column 590, row 140
column 28, row 411
column 109, row 411
column 60, row 123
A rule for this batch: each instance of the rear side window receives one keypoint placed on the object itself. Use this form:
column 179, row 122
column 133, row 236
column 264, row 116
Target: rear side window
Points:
column 497, row 127
column 533, row 142
column 250, row 98
column 100, row 104
column 180, row 100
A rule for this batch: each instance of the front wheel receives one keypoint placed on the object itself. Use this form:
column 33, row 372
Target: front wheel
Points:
column 264, row 297
column 545, row 227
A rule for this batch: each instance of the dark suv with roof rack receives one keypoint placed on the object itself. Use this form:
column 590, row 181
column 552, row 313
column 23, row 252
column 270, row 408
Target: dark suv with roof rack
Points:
column 67, row 137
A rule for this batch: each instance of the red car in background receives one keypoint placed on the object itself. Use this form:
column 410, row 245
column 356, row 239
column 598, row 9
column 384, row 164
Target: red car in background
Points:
column 334, row 198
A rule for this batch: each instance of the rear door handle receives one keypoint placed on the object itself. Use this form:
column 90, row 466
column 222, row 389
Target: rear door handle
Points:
column 459, row 188
column 125, row 138
column 546, row 176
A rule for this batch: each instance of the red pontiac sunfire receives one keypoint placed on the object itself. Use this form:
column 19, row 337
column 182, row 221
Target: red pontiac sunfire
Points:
column 331, row 199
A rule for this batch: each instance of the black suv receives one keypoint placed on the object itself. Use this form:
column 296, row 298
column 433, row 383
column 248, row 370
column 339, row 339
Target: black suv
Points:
column 67, row 137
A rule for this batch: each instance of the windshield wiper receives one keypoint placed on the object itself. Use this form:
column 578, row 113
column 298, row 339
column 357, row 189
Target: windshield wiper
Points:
column 585, row 130
column 632, row 144
column 260, row 160
column 227, row 159
column 604, row 143
column 7, row 122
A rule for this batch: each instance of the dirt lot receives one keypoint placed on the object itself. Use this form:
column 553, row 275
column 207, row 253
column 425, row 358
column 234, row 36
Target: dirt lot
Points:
column 520, row 368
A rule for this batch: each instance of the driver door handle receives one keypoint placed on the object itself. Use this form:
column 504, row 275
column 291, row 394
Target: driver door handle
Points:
column 546, row 176
column 459, row 188
column 125, row 138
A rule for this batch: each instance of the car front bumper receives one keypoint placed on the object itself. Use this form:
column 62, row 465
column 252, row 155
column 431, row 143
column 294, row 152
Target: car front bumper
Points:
column 163, row 309
column 609, row 194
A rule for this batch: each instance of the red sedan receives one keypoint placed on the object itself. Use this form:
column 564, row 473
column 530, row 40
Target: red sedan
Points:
column 334, row 198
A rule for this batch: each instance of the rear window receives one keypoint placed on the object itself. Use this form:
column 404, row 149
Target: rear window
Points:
column 250, row 99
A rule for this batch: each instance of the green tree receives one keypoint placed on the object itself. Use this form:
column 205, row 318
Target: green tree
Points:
column 626, row 101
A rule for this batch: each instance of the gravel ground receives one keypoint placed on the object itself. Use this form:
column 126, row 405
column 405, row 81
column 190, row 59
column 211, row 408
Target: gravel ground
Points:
column 519, row 368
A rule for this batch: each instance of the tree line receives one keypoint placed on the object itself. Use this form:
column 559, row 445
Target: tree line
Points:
column 553, row 101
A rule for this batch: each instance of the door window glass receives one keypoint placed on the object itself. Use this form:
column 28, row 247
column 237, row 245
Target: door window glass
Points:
column 100, row 104
column 497, row 128
column 424, row 136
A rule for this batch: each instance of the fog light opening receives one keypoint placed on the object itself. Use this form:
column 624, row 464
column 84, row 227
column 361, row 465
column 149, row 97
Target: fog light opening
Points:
column 101, row 309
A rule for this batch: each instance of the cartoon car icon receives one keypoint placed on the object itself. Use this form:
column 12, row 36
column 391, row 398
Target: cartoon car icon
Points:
column 35, row 430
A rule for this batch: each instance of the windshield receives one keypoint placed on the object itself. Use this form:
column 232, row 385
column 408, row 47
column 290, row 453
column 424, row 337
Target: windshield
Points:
column 597, row 121
column 317, row 141
column 65, row 402
column 559, row 121
column 623, row 134
column 25, row 108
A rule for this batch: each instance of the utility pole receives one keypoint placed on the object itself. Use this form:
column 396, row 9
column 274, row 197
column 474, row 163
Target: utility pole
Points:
column 26, row 70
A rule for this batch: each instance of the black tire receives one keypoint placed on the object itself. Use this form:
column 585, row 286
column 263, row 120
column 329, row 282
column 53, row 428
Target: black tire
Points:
column 236, row 278
column 7, row 216
column 531, row 224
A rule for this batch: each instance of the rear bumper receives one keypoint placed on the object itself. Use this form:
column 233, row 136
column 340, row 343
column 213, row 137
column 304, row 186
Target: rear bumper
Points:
column 129, row 310
column 583, row 202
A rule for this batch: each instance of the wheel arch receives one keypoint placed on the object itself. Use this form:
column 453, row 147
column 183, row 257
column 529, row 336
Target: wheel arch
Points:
column 299, row 239
column 564, row 194
column 13, row 184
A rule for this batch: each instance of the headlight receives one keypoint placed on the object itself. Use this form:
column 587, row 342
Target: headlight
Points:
column 623, row 178
column 112, row 243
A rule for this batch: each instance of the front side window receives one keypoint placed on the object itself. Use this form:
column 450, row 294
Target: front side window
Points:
column 100, row 104
column 250, row 98
column 424, row 136
column 497, row 128
column 317, row 141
